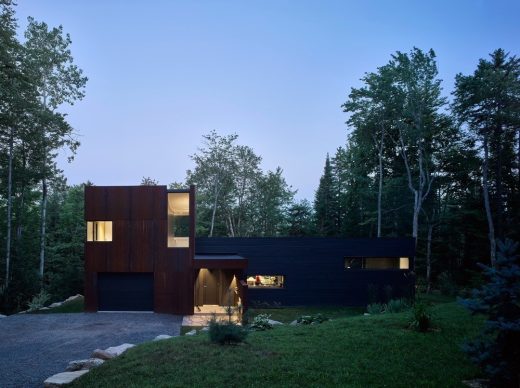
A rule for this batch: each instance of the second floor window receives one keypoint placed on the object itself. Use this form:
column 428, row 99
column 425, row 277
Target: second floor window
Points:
column 99, row 230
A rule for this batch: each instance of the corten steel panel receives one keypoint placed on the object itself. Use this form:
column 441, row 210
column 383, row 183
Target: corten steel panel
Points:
column 91, row 301
column 142, row 249
column 160, row 205
column 142, row 204
column 95, row 203
column 118, row 203
column 96, row 256
column 193, row 218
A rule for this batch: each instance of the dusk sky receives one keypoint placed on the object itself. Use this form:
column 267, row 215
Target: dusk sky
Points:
column 163, row 73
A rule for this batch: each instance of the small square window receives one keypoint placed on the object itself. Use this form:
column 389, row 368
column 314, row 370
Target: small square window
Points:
column 99, row 230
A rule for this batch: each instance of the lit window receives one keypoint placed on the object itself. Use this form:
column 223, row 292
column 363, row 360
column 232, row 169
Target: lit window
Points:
column 99, row 230
column 266, row 281
column 178, row 220
column 377, row 263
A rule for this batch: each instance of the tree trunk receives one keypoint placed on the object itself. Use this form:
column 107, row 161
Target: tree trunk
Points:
column 429, row 258
column 215, row 200
column 485, row 190
column 9, row 208
column 380, row 192
column 42, row 227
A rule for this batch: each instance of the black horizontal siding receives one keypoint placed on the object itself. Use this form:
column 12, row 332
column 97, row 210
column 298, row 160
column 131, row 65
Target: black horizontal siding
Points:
column 314, row 267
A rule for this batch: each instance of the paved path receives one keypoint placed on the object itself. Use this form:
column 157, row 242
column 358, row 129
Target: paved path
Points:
column 36, row 346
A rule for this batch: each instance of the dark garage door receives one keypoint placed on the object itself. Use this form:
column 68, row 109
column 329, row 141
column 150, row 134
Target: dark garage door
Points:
column 125, row 291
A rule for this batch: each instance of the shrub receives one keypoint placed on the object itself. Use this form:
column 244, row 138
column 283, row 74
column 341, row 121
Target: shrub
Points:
column 397, row 306
column 497, row 350
column 446, row 284
column 375, row 308
column 261, row 322
column 421, row 317
column 38, row 301
column 226, row 332
column 311, row 319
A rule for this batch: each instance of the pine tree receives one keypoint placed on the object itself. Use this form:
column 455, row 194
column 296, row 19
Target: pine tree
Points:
column 326, row 203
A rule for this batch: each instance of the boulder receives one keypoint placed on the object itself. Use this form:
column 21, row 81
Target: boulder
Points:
column 56, row 304
column 294, row 323
column 192, row 332
column 44, row 308
column 366, row 314
column 205, row 328
column 162, row 337
column 2, row 316
column 273, row 322
column 89, row 363
column 118, row 350
column 71, row 298
column 98, row 353
column 61, row 379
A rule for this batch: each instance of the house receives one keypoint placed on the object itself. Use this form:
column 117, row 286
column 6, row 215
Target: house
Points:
column 141, row 254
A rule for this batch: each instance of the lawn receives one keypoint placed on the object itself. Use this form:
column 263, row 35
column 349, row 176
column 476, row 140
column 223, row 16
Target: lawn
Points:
column 356, row 351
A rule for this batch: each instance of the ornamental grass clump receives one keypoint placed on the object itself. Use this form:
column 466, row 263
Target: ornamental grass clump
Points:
column 261, row 323
column 397, row 306
column 421, row 317
column 226, row 333
column 375, row 308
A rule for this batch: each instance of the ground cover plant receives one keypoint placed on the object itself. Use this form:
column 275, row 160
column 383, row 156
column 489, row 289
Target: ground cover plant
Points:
column 357, row 351
column 72, row 306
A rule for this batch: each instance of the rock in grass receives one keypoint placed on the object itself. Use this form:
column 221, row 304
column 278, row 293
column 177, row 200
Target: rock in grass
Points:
column 191, row 332
column 273, row 322
column 71, row 298
column 117, row 350
column 103, row 355
column 56, row 304
column 294, row 323
column 162, row 337
column 63, row 378
column 89, row 363
column 205, row 328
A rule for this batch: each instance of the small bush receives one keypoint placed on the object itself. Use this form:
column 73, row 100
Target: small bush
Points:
column 375, row 308
column 397, row 306
column 261, row 323
column 311, row 319
column 421, row 317
column 226, row 333
column 446, row 284
column 38, row 301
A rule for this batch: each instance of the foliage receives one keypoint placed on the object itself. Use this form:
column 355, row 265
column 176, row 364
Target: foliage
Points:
column 312, row 319
column 380, row 353
column 226, row 333
column 421, row 319
column 497, row 350
column 39, row 300
column 326, row 205
column 396, row 306
column 375, row 308
column 261, row 323
column 446, row 284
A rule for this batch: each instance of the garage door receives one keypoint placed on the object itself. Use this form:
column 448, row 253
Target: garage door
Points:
column 125, row 291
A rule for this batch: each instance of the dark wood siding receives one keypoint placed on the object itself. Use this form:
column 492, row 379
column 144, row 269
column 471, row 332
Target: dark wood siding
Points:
column 314, row 267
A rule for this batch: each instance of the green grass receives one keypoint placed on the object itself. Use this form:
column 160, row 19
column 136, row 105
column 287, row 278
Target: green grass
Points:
column 352, row 351
column 289, row 314
column 74, row 306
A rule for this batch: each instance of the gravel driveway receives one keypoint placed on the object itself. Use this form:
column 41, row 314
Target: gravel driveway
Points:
column 36, row 346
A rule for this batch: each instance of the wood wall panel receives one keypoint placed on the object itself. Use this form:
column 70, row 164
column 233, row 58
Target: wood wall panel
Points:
column 95, row 203
column 91, row 297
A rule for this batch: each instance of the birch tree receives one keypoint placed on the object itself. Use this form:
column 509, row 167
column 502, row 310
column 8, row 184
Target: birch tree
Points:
column 59, row 82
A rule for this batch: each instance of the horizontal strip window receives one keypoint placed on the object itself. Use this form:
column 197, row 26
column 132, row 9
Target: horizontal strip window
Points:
column 99, row 230
column 266, row 281
column 377, row 263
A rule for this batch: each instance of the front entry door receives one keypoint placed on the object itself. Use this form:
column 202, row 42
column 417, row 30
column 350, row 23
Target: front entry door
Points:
column 210, row 284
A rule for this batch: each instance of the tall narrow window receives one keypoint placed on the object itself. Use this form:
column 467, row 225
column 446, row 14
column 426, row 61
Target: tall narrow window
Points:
column 99, row 230
column 178, row 220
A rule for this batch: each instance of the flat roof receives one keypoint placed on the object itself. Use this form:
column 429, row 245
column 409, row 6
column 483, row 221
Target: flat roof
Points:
column 209, row 256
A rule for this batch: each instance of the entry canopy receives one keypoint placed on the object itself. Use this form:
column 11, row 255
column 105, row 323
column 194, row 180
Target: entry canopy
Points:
column 220, row 261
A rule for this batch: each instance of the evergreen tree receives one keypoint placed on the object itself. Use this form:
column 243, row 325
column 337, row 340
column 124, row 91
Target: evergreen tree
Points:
column 326, row 207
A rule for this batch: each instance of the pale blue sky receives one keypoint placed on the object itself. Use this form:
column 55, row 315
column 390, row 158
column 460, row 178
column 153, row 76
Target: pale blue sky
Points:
column 163, row 73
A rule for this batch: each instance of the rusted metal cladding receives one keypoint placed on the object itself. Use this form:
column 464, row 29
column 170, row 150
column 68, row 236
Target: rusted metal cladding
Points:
column 139, row 244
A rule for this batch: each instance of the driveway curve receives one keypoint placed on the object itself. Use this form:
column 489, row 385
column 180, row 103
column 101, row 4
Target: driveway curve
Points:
column 36, row 346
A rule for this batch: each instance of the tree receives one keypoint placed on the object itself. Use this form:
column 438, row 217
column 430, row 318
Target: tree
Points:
column 214, row 166
column 489, row 103
column 497, row 350
column 300, row 219
column 421, row 125
column 58, row 81
column 326, row 203
column 147, row 181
